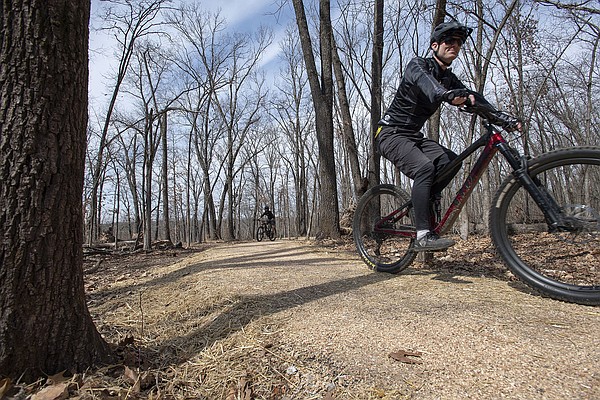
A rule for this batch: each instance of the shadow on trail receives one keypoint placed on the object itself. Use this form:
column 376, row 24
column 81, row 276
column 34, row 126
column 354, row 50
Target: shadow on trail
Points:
column 458, row 272
column 265, row 258
column 236, row 314
column 248, row 308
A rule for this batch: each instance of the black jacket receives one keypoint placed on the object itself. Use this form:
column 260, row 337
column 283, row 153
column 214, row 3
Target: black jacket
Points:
column 269, row 214
column 420, row 94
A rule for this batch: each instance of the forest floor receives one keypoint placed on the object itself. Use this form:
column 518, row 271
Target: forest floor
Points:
column 292, row 319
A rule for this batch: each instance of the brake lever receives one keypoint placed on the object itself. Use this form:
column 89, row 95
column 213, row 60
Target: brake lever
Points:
column 468, row 108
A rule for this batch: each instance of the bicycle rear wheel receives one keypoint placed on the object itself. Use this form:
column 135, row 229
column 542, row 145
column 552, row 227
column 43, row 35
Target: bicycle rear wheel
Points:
column 260, row 233
column 563, row 263
column 383, row 229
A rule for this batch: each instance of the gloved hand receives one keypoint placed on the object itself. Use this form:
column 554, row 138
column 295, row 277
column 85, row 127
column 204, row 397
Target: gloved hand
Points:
column 506, row 121
column 450, row 95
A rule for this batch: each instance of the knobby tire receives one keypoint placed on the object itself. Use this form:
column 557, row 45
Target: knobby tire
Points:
column 272, row 234
column 260, row 233
column 560, row 264
column 379, row 247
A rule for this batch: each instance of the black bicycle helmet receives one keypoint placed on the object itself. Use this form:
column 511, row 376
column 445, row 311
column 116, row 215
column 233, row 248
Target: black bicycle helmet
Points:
column 447, row 29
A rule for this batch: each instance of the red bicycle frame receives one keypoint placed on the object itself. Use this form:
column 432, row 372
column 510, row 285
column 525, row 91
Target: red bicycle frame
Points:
column 491, row 142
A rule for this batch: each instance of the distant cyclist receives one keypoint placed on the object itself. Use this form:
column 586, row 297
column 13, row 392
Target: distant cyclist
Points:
column 270, row 217
column 427, row 83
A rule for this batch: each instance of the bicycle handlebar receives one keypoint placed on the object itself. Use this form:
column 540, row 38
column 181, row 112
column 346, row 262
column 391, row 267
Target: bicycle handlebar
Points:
column 450, row 95
column 494, row 117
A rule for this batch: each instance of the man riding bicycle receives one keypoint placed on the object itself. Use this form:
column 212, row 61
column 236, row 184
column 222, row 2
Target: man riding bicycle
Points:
column 270, row 217
column 427, row 83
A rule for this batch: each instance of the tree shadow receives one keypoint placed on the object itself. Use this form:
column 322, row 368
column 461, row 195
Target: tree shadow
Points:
column 235, row 314
column 245, row 309
column 458, row 271
column 270, row 257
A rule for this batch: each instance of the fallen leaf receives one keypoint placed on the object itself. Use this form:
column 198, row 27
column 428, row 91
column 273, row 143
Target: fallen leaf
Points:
column 58, row 378
column 131, row 375
column 328, row 396
column 54, row 392
column 5, row 385
column 403, row 356
column 279, row 390
column 241, row 391
column 133, row 378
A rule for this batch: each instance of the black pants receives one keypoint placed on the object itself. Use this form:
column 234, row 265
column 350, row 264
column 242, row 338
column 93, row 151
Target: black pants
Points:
column 421, row 159
column 424, row 191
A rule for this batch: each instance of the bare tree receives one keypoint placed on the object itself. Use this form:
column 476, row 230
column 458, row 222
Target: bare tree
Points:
column 376, row 90
column 321, row 86
column 438, row 18
column 45, row 326
column 128, row 159
column 239, row 110
column 347, row 129
column 202, row 56
column 165, row 176
column 289, row 109
column 128, row 21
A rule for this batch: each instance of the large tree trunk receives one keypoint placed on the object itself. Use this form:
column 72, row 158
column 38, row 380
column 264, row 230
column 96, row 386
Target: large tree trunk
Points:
column 376, row 92
column 347, row 127
column 434, row 121
column 165, row 177
column 45, row 326
column 322, row 95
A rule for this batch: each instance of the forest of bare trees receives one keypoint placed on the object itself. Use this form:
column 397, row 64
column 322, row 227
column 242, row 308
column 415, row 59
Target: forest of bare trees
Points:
column 196, row 134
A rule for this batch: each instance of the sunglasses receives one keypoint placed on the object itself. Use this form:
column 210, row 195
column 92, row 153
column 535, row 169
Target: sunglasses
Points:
column 451, row 41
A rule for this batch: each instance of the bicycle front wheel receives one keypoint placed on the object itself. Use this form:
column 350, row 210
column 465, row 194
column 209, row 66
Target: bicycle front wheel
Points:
column 260, row 233
column 561, row 263
column 272, row 233
column 383, row 229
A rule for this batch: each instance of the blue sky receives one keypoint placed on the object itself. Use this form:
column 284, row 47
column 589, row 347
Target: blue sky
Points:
column 241, row 16
column 244, row 13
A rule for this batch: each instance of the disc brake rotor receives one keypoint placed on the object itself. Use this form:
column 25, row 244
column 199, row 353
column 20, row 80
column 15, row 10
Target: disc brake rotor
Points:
column 586, row 224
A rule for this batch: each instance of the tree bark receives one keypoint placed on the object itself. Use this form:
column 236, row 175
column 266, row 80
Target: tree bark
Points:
column 45, row 326
column 165, row 177
column 373, row 175
column 347, row 127
column 322, row 95
column 434, row 121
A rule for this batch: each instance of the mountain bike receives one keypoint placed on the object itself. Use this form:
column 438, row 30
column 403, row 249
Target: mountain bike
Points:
column 544, row 218
column 265, row 229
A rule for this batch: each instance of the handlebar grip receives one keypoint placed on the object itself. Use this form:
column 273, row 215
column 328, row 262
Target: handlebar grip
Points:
column 507, row 121
column 494, row 117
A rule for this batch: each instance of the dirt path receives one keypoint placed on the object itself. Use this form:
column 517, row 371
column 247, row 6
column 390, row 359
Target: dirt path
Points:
column 288, row 319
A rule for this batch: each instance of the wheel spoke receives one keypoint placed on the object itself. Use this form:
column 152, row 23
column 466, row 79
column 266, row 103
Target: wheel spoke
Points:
column 383, row 231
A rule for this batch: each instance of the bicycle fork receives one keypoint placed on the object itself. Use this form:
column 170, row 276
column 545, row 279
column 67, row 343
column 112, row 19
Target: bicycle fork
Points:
column 552, row 211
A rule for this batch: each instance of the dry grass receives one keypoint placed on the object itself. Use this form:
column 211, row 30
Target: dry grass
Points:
column 292, row 320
